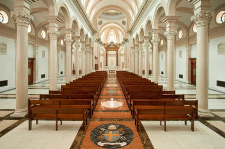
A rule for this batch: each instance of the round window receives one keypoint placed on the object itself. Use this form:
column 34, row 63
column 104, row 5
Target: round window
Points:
column 220, row 18
column 3, row 17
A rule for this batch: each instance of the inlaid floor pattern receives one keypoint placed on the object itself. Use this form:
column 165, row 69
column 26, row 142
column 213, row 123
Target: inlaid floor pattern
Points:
column 112, row 109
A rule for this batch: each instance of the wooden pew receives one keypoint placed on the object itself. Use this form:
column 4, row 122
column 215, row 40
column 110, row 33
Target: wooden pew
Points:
column 54, row 110
column 164, row 113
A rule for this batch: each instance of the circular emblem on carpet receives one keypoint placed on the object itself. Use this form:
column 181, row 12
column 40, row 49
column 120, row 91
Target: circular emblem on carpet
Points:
column 112, row 136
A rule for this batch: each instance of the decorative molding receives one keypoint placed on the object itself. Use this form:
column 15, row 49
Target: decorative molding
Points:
column 221, row 48
column 84, row 15
column 3, row 48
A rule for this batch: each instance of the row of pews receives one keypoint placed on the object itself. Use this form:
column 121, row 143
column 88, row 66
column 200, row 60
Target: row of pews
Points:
column 75, row 101
column 148, row 101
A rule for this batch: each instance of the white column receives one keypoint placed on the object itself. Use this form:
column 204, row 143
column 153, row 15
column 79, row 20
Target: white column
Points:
column 90, row 59
column 22, row 17
column 68, row 42
column 99, row 55
column 170, row 34
column 155, row 42
column 53, row 34
column 93, row 60
column 133, row 59
column 104, row 60
column 77, row 46
column 125, row 57
column 146, row 50
column 140, row 59
column 87, row 61
column 136, row 60
column 83, row 59
column 202, row 18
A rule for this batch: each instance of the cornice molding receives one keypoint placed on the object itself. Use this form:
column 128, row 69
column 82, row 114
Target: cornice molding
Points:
column 84, row 15
column 144, row 6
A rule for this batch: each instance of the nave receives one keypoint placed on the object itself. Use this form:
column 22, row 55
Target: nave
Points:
column 112, row 109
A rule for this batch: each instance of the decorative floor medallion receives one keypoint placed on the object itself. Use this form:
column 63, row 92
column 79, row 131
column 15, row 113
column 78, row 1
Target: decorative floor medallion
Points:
column 111, row 92
column 112, row 104
column 112, row 136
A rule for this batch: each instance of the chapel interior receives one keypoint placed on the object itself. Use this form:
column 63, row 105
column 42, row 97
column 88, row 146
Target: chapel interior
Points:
column 92, row 74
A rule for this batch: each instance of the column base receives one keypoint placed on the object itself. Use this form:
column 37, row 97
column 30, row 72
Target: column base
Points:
column 205, row 113
column 19, row 113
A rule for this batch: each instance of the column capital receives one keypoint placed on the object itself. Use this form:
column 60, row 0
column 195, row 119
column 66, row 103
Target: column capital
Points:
column 155, row 41
column 53, row 34
column 202, row 18
column 170, row 34
column 22, row 18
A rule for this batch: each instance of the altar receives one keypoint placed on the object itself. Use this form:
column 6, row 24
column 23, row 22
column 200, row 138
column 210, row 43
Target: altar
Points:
column 112, row 57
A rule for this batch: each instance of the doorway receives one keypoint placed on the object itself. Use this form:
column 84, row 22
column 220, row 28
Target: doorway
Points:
column 30, row 71
column 193, row 71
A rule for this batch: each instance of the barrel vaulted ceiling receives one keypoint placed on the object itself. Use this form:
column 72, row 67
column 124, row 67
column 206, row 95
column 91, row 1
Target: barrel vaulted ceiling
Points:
column 111, row 17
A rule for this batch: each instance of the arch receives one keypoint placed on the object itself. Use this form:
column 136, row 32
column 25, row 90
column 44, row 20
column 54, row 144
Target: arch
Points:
column 161, row 7
column 86, row 39
column 137, row 39
column 82, row 34
column 75, row 26
column 52, row 7
column 171, row 7
column 141, row 38
column 62, row 6
column 148, row 27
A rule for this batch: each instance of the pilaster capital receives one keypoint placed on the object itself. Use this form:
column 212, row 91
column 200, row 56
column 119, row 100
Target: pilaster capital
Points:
column 202, row 18
column 53, row 34
column 170, row 34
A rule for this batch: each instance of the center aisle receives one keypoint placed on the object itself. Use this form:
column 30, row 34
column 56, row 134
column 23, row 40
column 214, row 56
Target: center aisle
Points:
column 112, row 125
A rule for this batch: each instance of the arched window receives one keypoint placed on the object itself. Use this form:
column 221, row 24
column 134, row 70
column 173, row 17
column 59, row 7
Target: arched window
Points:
column 181, row 34
column 43, row 34
column 195, row 28
column 161, row 42
column 62, row 42
column 112, row 38
column 29, row 28
column 223, row 17
column 3, row 17
column 220, row 18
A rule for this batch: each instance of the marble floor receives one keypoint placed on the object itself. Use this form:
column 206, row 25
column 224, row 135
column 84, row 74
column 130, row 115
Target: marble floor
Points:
column 112, row 109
